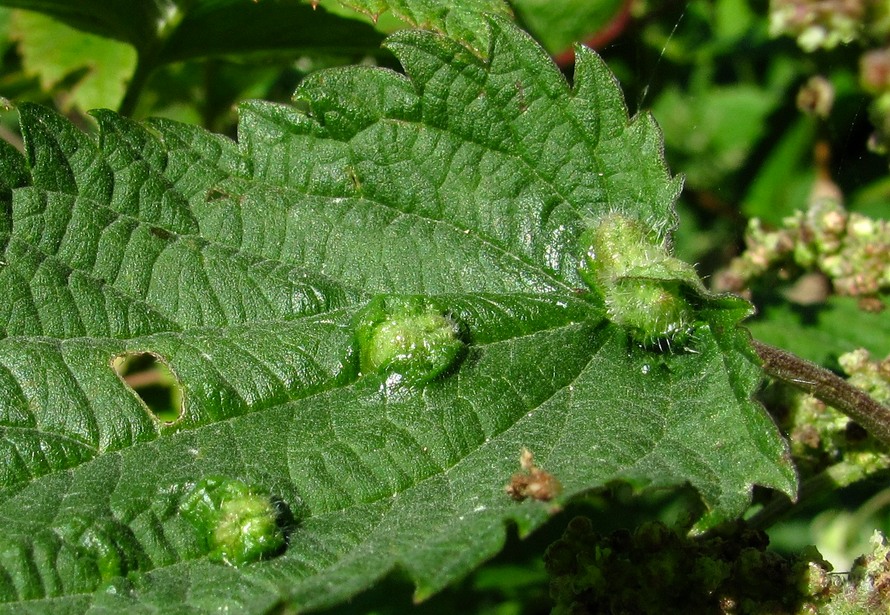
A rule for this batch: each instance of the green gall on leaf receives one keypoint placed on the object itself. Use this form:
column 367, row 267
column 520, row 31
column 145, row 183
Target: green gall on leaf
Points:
column 407, row 337
column 650, row 310
column 107, row 543
column 110, row 562
column 238, row 523
column 645, row 289
column 617, row 247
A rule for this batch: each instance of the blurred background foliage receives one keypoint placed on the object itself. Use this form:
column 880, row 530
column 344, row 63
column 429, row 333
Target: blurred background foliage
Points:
column 766, row 109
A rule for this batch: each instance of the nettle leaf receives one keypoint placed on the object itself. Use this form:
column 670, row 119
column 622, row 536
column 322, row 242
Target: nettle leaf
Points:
column 559, row 23
column 372, row 303
column 165, row 31
column 462, row 20
column 99, row 67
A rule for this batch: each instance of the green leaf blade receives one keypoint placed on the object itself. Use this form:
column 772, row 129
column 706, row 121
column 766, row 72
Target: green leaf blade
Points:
column 54, row 52
column 175, row 30
column 463, row 21
column 243, row 266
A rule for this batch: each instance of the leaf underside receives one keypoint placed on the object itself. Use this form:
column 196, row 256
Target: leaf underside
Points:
column 243, row 266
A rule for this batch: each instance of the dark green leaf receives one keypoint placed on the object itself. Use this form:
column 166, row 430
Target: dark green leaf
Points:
column 558, row 24
column 170, row 30
column 464, row 186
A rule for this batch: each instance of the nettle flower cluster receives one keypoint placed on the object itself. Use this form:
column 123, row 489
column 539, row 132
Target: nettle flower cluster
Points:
column 659, row 569
column 851, row 250
column 729, row 571
column 820, row 23
column 826, row 24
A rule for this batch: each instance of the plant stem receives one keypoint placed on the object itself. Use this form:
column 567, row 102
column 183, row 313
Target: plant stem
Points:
column 12, row 138
column 828, row 387
column 145, row 378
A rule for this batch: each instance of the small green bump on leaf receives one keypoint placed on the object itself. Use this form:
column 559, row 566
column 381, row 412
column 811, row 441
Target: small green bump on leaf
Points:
column 651, row 310
column 239, row 524
column 616, row 247
column 109, row 544
column 644, row 288
column 407, row 337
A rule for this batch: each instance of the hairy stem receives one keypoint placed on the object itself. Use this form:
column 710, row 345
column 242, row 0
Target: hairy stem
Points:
column 828, row 387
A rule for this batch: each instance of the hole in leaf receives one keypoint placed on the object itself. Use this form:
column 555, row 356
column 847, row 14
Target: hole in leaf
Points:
column 152, row 380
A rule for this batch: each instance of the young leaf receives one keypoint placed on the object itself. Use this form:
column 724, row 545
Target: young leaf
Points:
column 55, row 52
column 462, row 190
